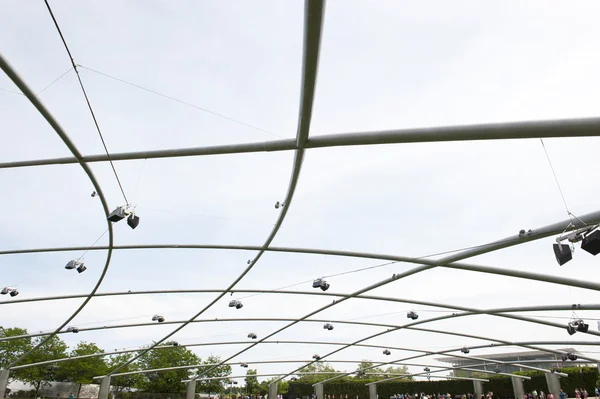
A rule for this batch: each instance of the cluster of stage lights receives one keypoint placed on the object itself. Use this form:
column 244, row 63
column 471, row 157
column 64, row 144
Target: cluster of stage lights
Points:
column 9, row 290
column 569, row 356
column 577, row 325
column 252, row 335
column 159, row 318
column 589, row 237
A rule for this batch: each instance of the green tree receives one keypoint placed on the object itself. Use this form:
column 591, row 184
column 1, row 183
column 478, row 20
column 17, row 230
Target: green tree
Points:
column 124, row 383
column 251, row 382
column 83, row 371
column 374, row 372
column 167, row 381
column 39, row 376
column 11, row 350
column 212, row 385
column 316, row 367
column 398, row 370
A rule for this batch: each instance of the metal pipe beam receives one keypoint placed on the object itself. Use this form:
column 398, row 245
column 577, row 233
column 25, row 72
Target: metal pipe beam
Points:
column 586, row 127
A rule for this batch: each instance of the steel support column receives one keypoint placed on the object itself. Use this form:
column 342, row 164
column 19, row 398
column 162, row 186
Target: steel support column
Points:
column 373, row 391
column 518, row 390
column 319, row 391
column 190, row 392
column 553, row 381
column 478, row 389
column 272, row 390
column 3, row 382
column 104, row 387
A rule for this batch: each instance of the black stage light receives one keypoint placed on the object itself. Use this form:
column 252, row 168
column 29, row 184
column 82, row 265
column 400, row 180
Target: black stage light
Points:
column 572, row 356
column 591, row 243
column 133, row 221
column 582, row 326
column 465, row 350
column 387, row 352
column 14, row 292
column 81, row 268
column 118, row 214
column 412, row 315
column 562, row 252
column 571, row 329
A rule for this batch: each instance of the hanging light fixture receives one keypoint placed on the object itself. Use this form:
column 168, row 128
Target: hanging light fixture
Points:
column 387, row 352
column 124, row 211
column 321, row 283
column 327, row 326
column 412, row 315
column 74, row 330
column 159, row 318
column 9, row 290
column 235, row 304
column 252, row 336
column 590, row 242
column 465, row 350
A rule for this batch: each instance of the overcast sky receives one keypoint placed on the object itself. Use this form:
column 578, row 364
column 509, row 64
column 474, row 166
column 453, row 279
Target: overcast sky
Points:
column 384, row 65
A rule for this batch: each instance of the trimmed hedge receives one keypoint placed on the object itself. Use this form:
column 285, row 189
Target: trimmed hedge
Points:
column 584, row 377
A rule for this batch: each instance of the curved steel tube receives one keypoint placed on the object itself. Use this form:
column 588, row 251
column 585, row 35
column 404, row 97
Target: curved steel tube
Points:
column 35, row 101
column 591, row 218
column 310, row 61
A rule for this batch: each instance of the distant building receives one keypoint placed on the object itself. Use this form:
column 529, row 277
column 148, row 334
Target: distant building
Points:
column 528, row 358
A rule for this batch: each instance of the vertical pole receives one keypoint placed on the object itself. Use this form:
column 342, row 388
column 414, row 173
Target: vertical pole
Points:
column 478, row 389
column 273, row 390
column 518, row 390
column 318, row 391
column 3, row 382
column 373, row 391
column 190, row 392
column 104, row 387
column 553, row 384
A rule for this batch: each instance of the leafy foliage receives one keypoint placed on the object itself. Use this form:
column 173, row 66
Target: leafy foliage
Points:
column 83, row 371
column 167, row 381
column 38, row 376
column 125, row 382
column 212, row 372
column 11, row 350
column 252, row 382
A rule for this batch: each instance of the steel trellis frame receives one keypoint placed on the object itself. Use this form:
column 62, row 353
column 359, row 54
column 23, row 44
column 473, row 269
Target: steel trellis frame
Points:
column 36, row 102
column 302, row 142
column 312, row 31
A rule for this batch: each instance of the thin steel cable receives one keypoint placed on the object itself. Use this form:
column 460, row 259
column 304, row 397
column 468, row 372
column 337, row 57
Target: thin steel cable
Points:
column 87, row 100
column 182, row 102
column 54, row 81
column 555, row 178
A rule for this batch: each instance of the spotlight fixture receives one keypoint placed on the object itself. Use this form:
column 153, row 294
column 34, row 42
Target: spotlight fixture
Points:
column 327, row 326
column 9, row 290
column 172, row 343
column 572, row 357
column 564, row 357
column 412, row 315
column 133, row 220
column 123, row 211
column 94, row 194
column 387, row 352
column 118, row 214
column 252, row 336
column 427, row 369
column 75, row 264
column 158, row 318
column 321, row 283
column 243, row 365
column 279, row 205
column 74, row 330
column 590, row 242
column 235, row 304
column 577, row 325
column 465, row 350
column 316, row 357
